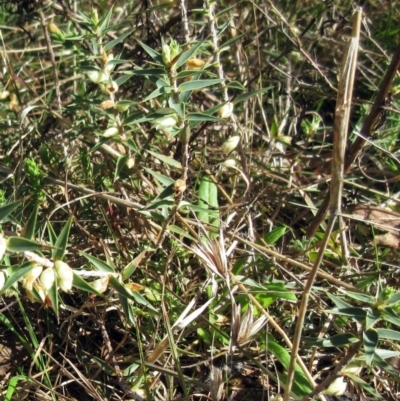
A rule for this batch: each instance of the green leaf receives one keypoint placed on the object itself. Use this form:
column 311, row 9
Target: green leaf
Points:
column 134, row 296
column 166, row 159
column 274, row 235
column 236, row 85
column 357, row 314
column 52, row 294
column 201, row 117
column 301, row 386
column 178, row 230
column 152, row 53
column 391, row 316
column 121, row 162
column 186, row 55
column 157, row 72
column 21, row 244
column 30, row 228
column 199, row 84
column 62, row 241
column 365, row 386
column 338, row 340
column 80, row 283
column 127, row 308
column 367, row 299
column 371, row 339
column 245, row 96
column 98, row 264
column 5, row 210
column 338, row 302
column 393, row 299
column 161, row 178
column 373, row 315
column 231, row 41
column 17, row 275
column 114, row 42
column 388, row 334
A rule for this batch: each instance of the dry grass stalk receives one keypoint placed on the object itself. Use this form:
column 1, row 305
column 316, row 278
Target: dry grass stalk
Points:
column 343, row 107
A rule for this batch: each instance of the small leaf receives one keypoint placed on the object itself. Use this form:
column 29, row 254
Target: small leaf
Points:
column 338, row 302
column 186, row 55
column 121, row 162
column 201, row 117
column 365, row 386
column 108, row 46
column 245, row 96
column 357, row 314
column 30, row 228
column 373, row 315
column 5, row 210
column 98, row 264
column 152, row 53
column 274, row 235
column 393, row 299
column 20, row 244
column 199, row 84
column 371, row 339
column 338, row 340
column 391, row 316
column 62, row 241
column 134, row 296
column 165, row 159
column 388, row 334
column 80, row 283
column 18, row 274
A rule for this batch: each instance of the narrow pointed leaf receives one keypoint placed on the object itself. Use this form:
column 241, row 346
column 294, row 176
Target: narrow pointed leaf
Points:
column 5, row 210
column 62, row 241
column 371, row 339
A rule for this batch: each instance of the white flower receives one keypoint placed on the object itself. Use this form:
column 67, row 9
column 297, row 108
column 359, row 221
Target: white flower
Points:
column 337, row 387
column 65, row 275
column 230, row 144
column 30, row 278
column 47, row 279
column 166, row 122
column 100, row 285
column 226, row 110
column 97, row 76
column 4, row 95
column 110, row 132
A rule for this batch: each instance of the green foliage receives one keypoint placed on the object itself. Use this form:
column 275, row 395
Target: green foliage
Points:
column 156, row 196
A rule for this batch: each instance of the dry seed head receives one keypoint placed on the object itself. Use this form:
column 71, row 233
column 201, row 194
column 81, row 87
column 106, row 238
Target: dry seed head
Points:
column 216, row 383
column 230, row 144
column 337, row 387
column 101, row 284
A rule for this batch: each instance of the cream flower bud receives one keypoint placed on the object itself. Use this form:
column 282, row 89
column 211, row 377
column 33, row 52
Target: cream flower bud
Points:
column 229, row 163
column 110, row 132
column 109, row 66
column 2, row 279
column 165, row 122
column 101, row 284
column 47, row 279
column 108, row 87
column 65, row 275
column 337, row 387
column 97, row 76
column 166, row 53
column 230, row 144
column 226, row 110
column 30, row 278
column 3, row 246
column 4, row 95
